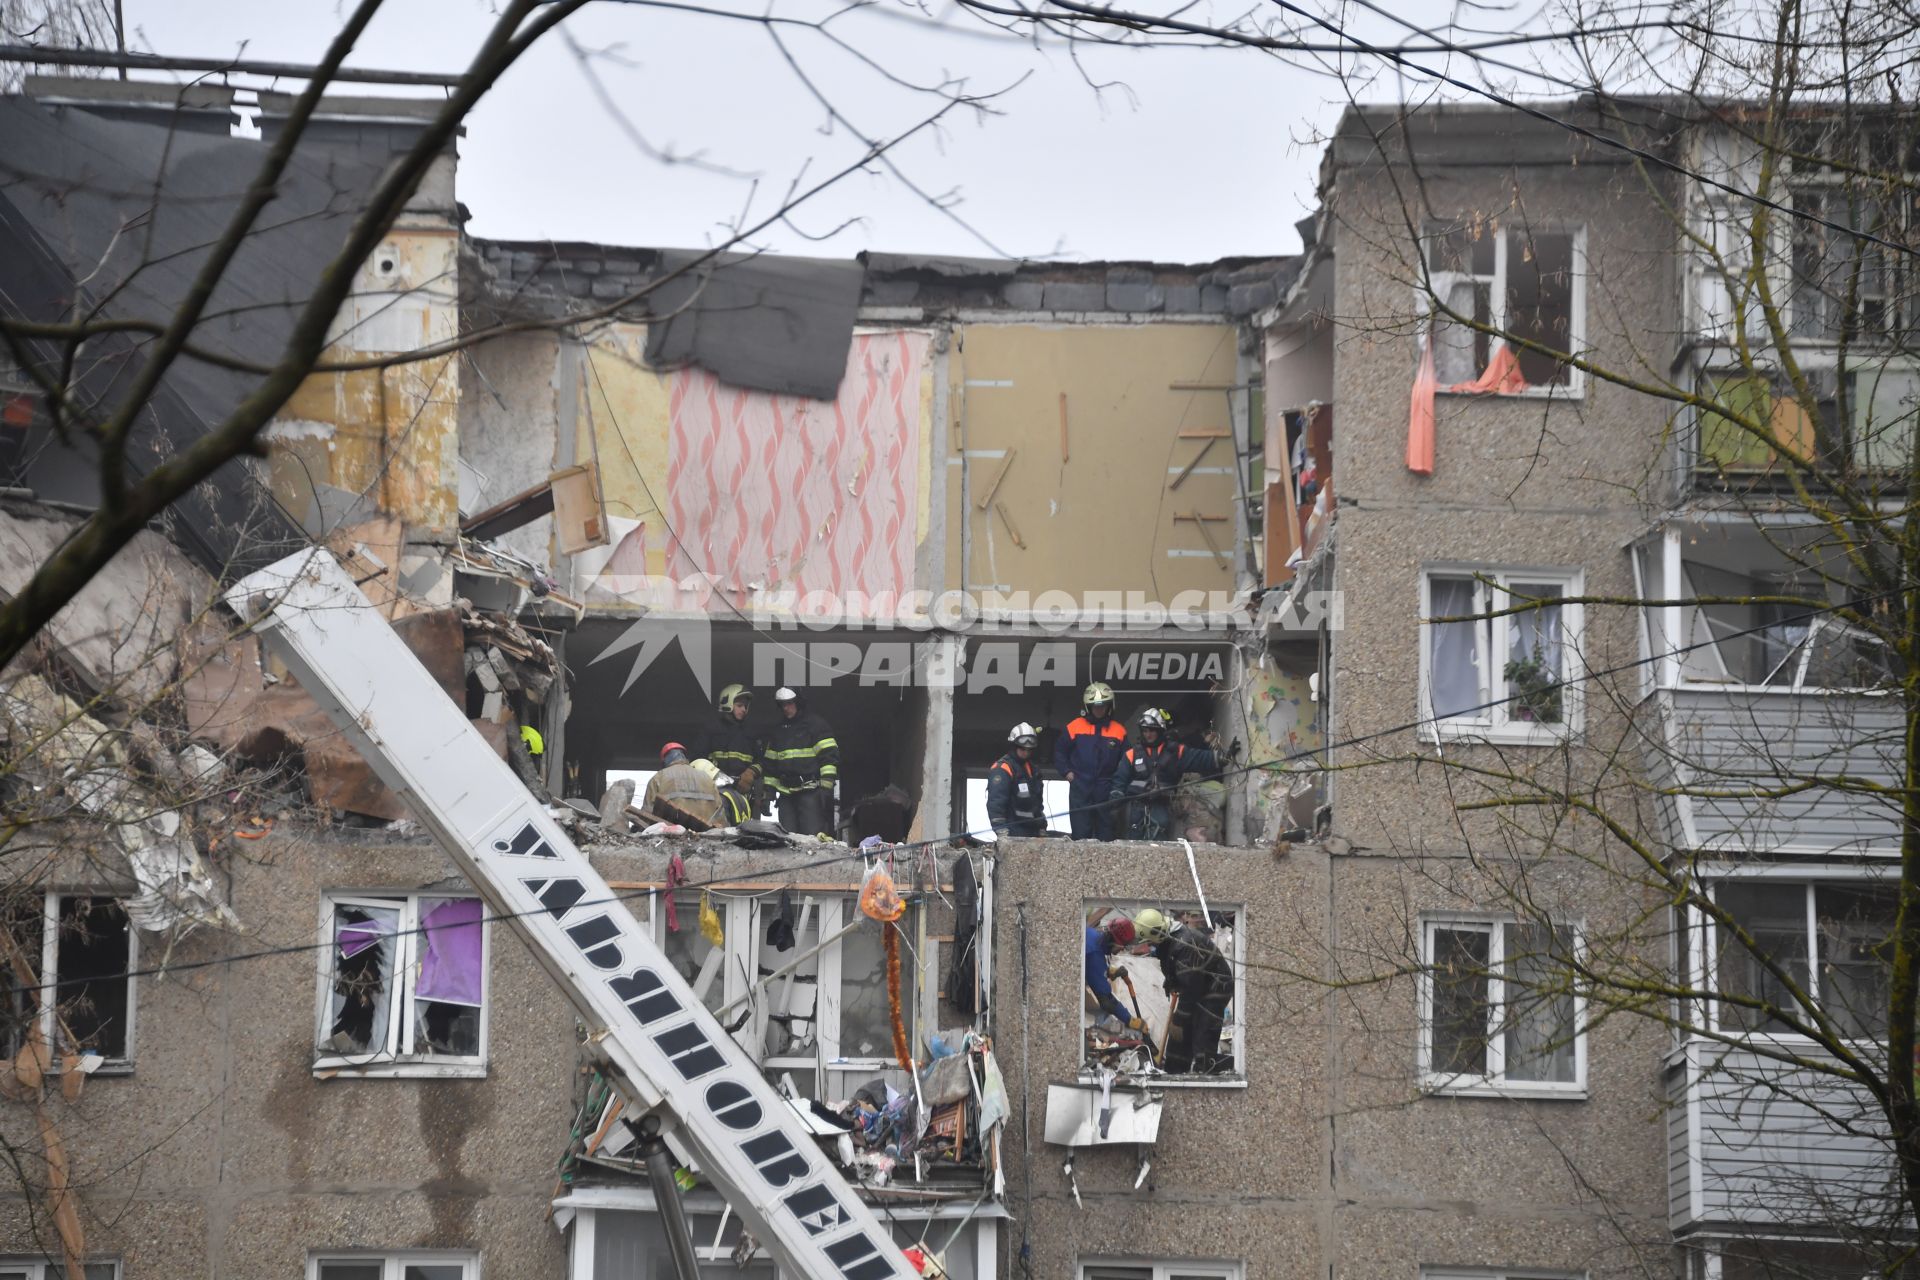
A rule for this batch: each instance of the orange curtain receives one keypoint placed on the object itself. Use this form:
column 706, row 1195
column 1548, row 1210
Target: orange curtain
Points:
column 1420, row 414
column 1503, row 376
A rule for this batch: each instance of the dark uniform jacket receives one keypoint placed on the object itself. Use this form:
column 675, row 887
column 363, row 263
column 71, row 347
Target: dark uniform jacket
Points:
column 800, row 754
column 1013, row 797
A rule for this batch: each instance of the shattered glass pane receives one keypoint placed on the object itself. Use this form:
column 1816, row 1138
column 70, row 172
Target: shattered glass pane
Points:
column 866, row 1016
column 360, row 983
column 447, row 990
column 94, row 954
column 792, row 1001
column 22, row 916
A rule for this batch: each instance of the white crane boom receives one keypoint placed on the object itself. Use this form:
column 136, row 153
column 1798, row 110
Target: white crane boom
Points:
column 669, row 1049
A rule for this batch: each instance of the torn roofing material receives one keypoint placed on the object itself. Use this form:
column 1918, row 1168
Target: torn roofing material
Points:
column 114, row 216
column 783, row 325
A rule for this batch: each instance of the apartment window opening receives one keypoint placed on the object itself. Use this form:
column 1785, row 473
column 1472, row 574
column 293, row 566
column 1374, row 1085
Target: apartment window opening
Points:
column 1501, row 1010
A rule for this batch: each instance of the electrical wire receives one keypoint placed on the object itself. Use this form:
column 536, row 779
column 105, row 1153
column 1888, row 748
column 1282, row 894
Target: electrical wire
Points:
column 951, row 837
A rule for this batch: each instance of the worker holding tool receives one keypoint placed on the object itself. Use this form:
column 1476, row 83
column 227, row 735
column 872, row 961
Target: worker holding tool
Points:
column 1112, row 935
column 1199, row 979
column 1013, row 787
column 803, row 764
column 1148, row 773
column 736, row 803
column 1086, row 754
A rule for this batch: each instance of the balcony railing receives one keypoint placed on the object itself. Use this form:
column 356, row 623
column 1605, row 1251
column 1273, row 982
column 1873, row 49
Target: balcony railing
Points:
column 1778, row 770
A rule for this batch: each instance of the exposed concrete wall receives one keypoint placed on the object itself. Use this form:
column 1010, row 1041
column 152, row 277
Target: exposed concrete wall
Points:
column 222, row 1155
column 1329, row 1160
column 514, row 427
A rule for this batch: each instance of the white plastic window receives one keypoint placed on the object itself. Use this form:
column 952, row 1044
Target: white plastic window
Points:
column 83, row 950
column 403, row 983
column 1512, row 677
column 1521, row 281
column 1499, row 1011
column 393, row 1266
column 1132, row 1270
column 47, row 1269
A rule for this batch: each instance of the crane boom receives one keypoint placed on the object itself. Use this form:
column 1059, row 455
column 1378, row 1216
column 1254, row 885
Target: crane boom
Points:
column 652, row 1031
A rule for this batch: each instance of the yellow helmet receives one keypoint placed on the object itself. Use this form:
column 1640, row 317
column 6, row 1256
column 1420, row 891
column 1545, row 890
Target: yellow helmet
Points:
column 1149, row 925
column 732, row 692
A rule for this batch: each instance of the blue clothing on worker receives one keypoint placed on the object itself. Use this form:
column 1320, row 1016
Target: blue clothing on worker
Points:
column 1086, row 753
column 1097, row 976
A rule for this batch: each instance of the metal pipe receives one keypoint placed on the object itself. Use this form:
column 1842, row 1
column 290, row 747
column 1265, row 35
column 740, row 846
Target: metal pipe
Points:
column 240, row 66
column 666, row 1198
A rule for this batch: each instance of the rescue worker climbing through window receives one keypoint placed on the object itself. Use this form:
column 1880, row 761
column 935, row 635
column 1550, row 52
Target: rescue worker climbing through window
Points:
column 803, row 764
column 1114, row 934
column 729, row 741
column 681, row 793
column 1013, row 787
column 1148, row 773
column 1086, row 754
column 1199, row 979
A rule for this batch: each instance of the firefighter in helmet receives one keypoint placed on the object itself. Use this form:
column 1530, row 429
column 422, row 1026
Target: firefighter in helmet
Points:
column 1150, row 770
column 1013, row 787
column 1086, row 754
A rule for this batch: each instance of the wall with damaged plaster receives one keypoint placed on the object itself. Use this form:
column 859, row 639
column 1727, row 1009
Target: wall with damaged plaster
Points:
column 350, row 445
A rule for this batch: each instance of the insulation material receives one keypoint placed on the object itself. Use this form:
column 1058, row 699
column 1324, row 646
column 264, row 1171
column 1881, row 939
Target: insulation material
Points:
column 801, row 495
column 175, row 887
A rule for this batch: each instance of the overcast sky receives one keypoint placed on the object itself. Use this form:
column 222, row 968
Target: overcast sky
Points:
column 1192, row 155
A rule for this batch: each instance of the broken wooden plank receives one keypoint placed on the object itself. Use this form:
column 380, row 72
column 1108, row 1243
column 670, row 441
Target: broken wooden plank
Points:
column 1194, row 462
column 522, row 508
column 1063, row 426
column 993, row 485
column 1203, row 433
column 1012, row 530
column 1200, row 519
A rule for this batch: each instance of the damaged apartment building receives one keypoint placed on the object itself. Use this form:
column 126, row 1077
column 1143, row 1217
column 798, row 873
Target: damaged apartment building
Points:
column 938, row 496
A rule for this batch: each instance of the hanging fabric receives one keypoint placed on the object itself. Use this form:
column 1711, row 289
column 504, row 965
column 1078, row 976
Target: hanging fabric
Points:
column 676, row 876
column 1503, row 376
column 1420, row 413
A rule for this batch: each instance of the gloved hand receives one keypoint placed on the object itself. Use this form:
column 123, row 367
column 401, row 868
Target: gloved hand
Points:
column 1114, row 975
column 1135, row 1024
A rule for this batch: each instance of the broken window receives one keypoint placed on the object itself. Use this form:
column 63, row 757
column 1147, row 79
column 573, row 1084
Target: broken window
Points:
column 404, row 981
column 1186, row 989
column 1520, row 282
column 783, row 994
column 49, row 1269
column 1499, row 1009
column 1831, row 940
column 394, row 1266
column 79, row 951
column 1507, row 676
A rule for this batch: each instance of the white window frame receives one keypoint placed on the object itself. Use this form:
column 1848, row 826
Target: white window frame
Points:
column 393, row 1264
column 49, row 974
column 1498, row 1273
column 1167, row 1269
column 394, row 1063
column 52, row 1268
column 745, row 918
column 1703, row 932
column 1236, row 1026
column 1442, row 281
column 1494, row 1084
column 1494, row 723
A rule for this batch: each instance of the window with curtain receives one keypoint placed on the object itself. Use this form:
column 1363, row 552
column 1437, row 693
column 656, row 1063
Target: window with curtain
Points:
column 1497, row 657
column 1516, row 280
column 1500, row 1009
column 404, row 983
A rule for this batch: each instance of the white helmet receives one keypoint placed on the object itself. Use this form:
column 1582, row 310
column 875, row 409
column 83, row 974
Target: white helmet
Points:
column 784, row 694
column 1024, row 735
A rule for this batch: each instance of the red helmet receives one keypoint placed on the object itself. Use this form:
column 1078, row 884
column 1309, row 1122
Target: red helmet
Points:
column 1120, row 929
column 670, row 748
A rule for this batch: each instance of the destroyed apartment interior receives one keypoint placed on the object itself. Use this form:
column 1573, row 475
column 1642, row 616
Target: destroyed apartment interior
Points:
column 392, row 898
